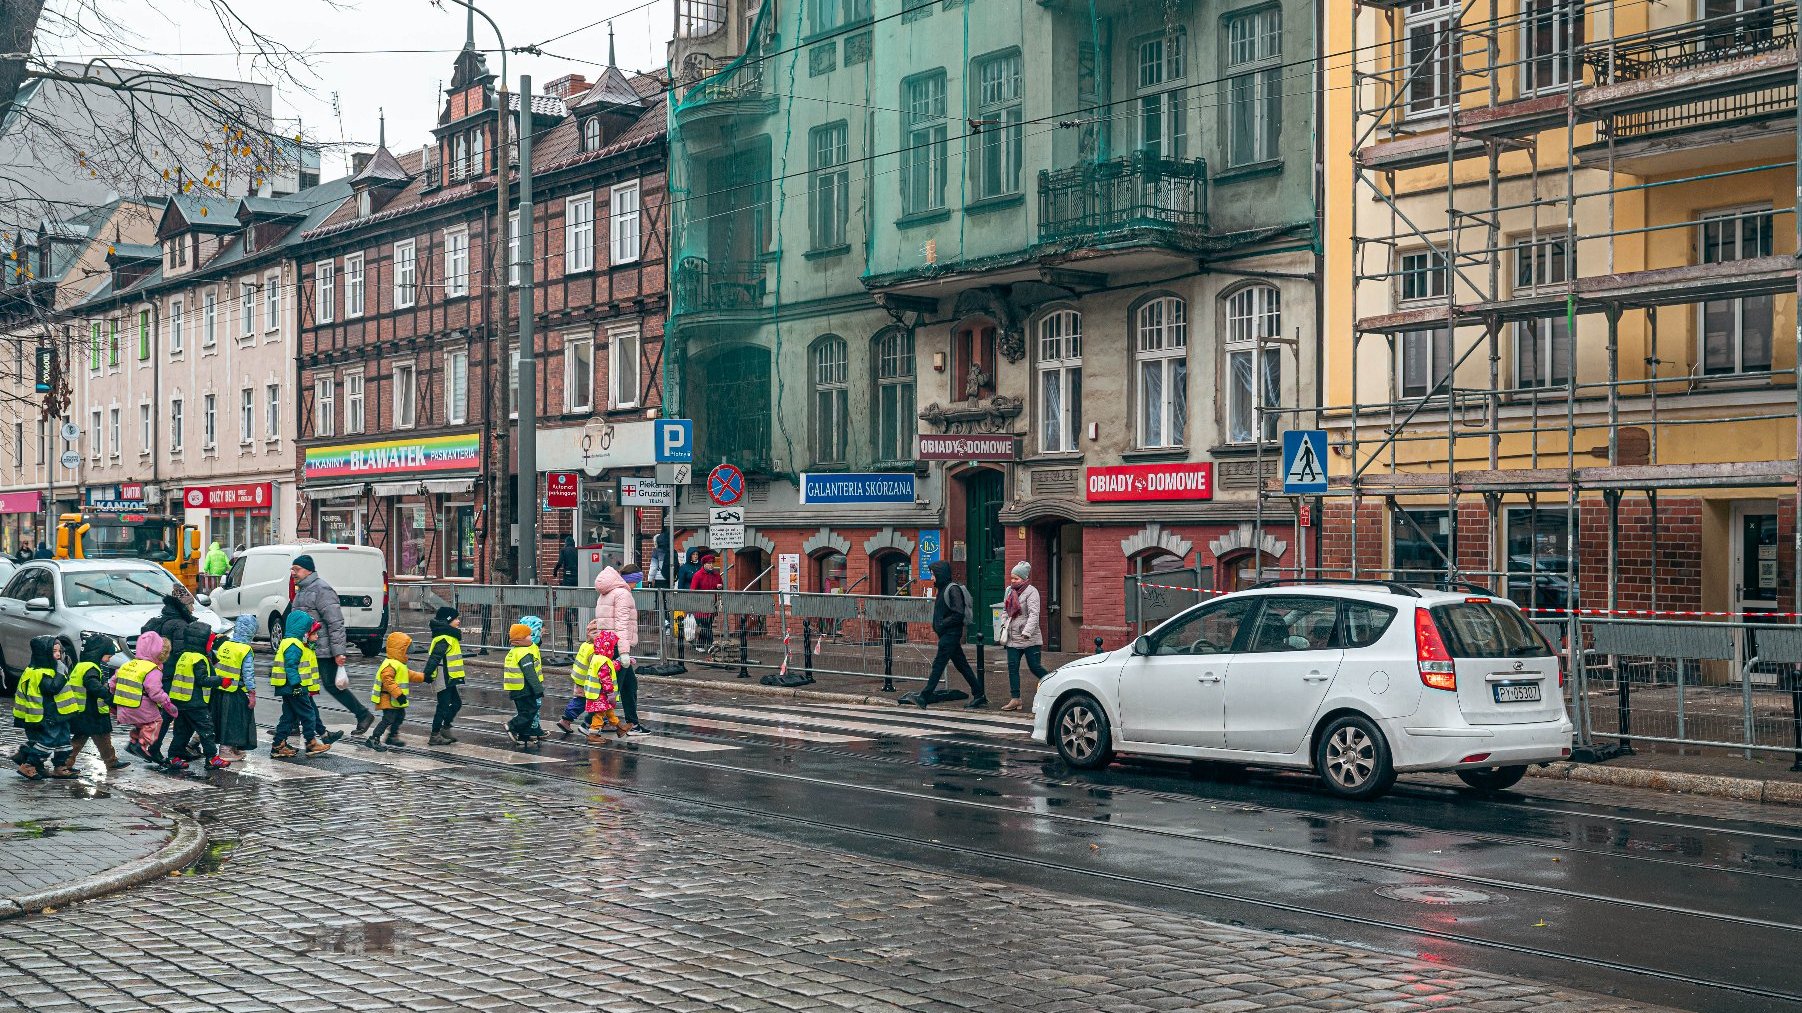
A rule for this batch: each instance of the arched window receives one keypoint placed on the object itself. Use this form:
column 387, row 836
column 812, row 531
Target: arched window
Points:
column 1161, row 353
column 895, row 425
column 831, row 399
column 1254, row 314
column 591, row 135
column 1060, row 381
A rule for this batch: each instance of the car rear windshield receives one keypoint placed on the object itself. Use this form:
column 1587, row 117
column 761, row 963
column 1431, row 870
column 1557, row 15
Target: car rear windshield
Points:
column 1488, row 629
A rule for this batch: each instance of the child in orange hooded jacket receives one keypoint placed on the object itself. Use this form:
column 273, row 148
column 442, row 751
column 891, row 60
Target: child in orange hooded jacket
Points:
column 389, row 692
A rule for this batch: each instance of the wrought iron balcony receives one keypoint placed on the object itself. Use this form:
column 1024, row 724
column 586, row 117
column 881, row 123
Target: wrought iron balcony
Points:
column 703, row 287
column 716, row 80
column 1699, row 43
column 1694, row 58
column 1138, row 197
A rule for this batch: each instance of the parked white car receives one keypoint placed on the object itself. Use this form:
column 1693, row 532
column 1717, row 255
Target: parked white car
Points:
column 1355, row 681
column 258, row 585
column 77, row 599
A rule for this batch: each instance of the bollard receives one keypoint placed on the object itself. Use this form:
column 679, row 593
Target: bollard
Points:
column 807, row 650
column 888, row 664
column 681, row 641
column 982, row 679
column 1624, row 710
column 1098, row 649
column 744, row 650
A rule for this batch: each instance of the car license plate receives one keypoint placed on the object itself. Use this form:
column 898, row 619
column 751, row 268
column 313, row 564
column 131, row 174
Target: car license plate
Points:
column 1517, row 692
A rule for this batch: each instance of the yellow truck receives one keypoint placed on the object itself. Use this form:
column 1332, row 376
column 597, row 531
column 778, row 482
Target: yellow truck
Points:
column 169, row 543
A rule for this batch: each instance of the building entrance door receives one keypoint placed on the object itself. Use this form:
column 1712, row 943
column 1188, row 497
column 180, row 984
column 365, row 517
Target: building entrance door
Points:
column 987, row 570
column 1755, row 575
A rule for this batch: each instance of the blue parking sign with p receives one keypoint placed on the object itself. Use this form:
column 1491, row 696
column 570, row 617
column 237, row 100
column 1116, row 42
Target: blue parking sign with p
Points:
column 675, row 440
column 1304, row 461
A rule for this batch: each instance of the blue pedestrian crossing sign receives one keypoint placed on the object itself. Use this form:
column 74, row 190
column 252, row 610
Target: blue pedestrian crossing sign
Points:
column 1304, row 461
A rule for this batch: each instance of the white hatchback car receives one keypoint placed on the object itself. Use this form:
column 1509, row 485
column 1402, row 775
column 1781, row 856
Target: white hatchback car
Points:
column 1355, row 680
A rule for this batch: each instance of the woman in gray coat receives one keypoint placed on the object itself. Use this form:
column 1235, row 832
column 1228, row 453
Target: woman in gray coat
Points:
column 1022, row 637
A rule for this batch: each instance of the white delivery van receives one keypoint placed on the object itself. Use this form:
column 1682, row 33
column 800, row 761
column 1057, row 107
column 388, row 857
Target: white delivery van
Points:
column 258, row 585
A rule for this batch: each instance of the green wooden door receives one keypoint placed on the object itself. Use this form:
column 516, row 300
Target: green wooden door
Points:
column 987, row 569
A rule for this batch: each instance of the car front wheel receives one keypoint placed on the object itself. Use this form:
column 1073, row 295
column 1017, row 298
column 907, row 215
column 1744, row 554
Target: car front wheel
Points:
column 1080, row 731
column 1493, row 778
column 1352, row 757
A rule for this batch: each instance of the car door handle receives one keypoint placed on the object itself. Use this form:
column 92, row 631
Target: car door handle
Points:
column 1315, row 677
column 1210, row 677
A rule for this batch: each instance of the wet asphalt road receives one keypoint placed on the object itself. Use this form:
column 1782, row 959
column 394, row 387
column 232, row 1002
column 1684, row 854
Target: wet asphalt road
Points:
column 1617, row 894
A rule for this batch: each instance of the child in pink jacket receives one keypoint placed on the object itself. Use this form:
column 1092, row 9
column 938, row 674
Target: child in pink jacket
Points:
column 145, row 721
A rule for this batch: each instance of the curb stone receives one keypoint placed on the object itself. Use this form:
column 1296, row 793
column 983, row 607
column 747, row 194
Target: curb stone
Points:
column 1743, row 789
column 180, row 851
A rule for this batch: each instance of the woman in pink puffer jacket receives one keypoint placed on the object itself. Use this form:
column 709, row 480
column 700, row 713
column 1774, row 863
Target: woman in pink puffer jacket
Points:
column 145, row 720
column 615, row 611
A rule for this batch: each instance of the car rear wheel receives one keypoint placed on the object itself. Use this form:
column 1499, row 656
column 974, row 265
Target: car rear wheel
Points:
column 1080, row 731
column 1352, row 757
column 1493, row 778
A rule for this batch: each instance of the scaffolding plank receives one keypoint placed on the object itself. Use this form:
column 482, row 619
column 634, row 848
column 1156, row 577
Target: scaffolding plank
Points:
column 1414, row 152
column 1520, row 118
column 1634, row 476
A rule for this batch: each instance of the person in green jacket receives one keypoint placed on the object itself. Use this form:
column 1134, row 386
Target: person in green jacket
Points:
column 216, row 562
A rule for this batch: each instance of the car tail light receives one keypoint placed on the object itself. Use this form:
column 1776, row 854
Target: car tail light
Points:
column 1475, row 758
column 1436, row 668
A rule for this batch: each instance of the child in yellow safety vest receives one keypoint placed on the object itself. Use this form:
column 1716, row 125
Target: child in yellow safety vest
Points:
column 389, row 694
column 522, row 676
column 446, row 653
column 139, row 702
column 192, row 681
column 234, row 705
column 94, row 722
column 581, row 678
column 38, row 703
column 603, row 676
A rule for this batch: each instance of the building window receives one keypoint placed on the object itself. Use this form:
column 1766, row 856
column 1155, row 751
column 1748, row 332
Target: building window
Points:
column 209, row 416
column 622, row 223
column 578, row 374
column 578, row 234
column 896, row 425
column 209, row 319
column 405, row 286
column 478, row 156
column 512, row 382
column 19, row 445
column 144, row 433
column 829, row 15
column 353, row 285
column 827, row 155
column 96, row 437
column 175, row 328
column 112, row 429
column 456, row 263
column 1162, row 67
column 43, row 440
column 1060, row 381
column 459, row 156
column 831, row 399
column 1551, row 35
column 1254, row 109
column 1000, row 110
column 1542, row 347
column 247, row 307
column 272, row 301
column 623, row 380
column 247, row 416
column 1538, row 570
column 94, row 342
column 143, row 335
column 325, row 406
column 1422, row 275
column 1426, row 360
column 1422, row 542
column 325, row 292
column 1254, row 374
column 112, row 343
column 513, row 248
column 353, row 401
column 1431, row 62
column 406, row 395
column 1736, row 333
column 1162, row 353
column 925, row 151
column 175, row 425
column 272, row 419
column 591, row 134
column 456, row 387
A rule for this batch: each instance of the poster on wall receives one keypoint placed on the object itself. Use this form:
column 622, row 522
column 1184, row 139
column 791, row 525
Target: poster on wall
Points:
column 930, row 551
column 788, row 574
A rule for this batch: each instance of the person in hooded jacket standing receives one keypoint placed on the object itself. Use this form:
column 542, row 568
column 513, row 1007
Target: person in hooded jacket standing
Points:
column 320, row 600
column 38, row 703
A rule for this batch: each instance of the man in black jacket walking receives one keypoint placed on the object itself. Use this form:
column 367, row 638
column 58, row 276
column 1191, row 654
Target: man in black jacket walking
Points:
column 950, row 618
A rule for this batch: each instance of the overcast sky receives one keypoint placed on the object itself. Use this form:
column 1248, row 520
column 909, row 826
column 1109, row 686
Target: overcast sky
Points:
column 388, row 71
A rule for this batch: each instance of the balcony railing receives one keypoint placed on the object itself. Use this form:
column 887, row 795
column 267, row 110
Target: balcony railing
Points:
column 713, row 82
column 1710, row 112
column 1698, row 43
column 1109, row 201
column 715, row 287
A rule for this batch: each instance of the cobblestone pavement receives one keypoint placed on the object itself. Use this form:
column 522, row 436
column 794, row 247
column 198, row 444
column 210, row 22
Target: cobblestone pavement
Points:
column 57, row 832
column 464, row 888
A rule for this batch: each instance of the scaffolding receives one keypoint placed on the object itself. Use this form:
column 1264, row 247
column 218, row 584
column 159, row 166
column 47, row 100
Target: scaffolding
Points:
column 1560, row 141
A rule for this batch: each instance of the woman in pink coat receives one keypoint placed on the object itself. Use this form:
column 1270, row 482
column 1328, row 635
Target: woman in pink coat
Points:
column 615, row 611
column 146, row 719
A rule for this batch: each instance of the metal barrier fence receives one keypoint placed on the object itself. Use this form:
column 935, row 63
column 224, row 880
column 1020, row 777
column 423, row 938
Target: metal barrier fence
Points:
column 785, row 639
column 1720, row 684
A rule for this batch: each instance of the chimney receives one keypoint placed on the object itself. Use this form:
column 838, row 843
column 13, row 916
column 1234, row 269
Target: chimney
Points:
column 359, row 160
column 567, row 86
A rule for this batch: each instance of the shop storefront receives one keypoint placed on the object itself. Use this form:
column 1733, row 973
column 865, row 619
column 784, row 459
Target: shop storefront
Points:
column 414, row 498
column 21, row 521
column 235, row 516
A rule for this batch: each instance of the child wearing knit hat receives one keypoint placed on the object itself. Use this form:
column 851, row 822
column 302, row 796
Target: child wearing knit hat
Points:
column 446, row 653
column 522, row 677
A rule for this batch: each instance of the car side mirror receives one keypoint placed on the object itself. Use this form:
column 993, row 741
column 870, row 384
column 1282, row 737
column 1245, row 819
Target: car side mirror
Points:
column 1142, row 647
column 203, row 599
column 39, row 605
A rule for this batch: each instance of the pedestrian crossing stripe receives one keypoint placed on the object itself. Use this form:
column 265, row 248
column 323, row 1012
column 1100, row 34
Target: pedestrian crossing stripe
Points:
column 266, row 768
column 702, row 725
column 822, row 721
column 953, row 722
column 649, row 742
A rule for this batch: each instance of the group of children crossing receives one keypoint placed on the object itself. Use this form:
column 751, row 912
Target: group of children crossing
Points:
column 187, row 686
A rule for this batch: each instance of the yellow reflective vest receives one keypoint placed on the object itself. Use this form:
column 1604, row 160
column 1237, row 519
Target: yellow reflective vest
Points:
column 307, row 675
column 181, row 684
column 28, row 696
column 396, row 670
column 74, row 697
column 230, row 665
column 582, row 673
column 453, row 656
column 128, row 684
